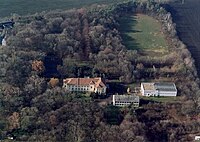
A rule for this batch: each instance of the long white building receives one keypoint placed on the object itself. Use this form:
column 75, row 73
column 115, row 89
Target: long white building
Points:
column 125, row 100
column 95, row 85
column 158, row 89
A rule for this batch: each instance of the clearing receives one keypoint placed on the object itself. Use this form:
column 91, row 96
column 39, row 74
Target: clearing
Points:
column 143, row 33
column 162, row 99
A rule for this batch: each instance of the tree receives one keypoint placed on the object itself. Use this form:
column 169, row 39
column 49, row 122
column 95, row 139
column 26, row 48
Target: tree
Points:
column 38, row 66
column 53, row 120
column 53, row 82
column 34, row 86
column 28, row 118
column 14, row 121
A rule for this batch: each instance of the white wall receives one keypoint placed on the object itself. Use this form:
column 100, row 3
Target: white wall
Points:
column 142, row 90
column 157, row 93
column 4, row 42
column 113, row 100
column 167, row 93
column 90, row 88
column 149, row 93
column 127, row 103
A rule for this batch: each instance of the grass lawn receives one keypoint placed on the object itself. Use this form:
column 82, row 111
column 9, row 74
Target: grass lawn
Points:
column 161, row 99
column 142, row 32
column 83, row 96
column 24, row 7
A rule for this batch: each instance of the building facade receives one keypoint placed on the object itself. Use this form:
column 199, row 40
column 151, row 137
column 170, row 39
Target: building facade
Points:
column 95, row 85
column 158, row 89
column 3, row 43
column 125, row 100
column 197, row 138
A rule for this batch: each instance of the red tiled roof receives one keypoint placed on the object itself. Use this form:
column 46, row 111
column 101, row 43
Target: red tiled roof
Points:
column 84, row 81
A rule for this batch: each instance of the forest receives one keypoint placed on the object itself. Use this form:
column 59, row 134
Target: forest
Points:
column 87, row 42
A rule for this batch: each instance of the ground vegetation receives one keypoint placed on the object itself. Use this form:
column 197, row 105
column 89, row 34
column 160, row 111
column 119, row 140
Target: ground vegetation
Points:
column 44, row 48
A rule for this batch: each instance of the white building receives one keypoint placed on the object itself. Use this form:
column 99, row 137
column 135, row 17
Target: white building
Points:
column 158, row 89
column 197, row 138
column 3, row 43
column 95, row 85
column 125, row 100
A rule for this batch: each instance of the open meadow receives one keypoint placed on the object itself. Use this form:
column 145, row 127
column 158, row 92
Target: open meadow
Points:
column 23, row 7
column 143, row 33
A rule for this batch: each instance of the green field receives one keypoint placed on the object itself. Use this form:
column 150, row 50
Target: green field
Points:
column 23, row 7
column 142, row 32
column 162, row 99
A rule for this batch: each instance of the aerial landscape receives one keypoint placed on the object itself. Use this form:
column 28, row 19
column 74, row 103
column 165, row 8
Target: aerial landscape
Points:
column 100, row 70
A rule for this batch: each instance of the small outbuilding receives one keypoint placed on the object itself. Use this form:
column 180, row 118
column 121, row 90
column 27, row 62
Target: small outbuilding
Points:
column 3, row 43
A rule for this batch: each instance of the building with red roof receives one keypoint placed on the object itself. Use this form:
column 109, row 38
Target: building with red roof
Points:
column 95, row 85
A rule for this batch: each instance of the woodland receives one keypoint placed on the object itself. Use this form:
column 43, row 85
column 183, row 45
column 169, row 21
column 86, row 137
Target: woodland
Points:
column 87, row 42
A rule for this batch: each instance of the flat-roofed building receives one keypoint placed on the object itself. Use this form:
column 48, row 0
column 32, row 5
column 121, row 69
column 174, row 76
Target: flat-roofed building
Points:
column 148, row 89
column 95, row 85
column 125, row 100
column 197, row 138
column 158, row 89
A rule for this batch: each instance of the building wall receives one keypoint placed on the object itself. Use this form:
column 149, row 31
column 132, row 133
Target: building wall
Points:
column 100, row 90
column 142, row 90
column 167, row 93
column 160, row 93
column 89, row 88
column 147, row 92
column 113, row 100
column 157, row 93
column 197, row 138
column 124, row 103
column 4, row 42
column 135, row 104
column 150, row 93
